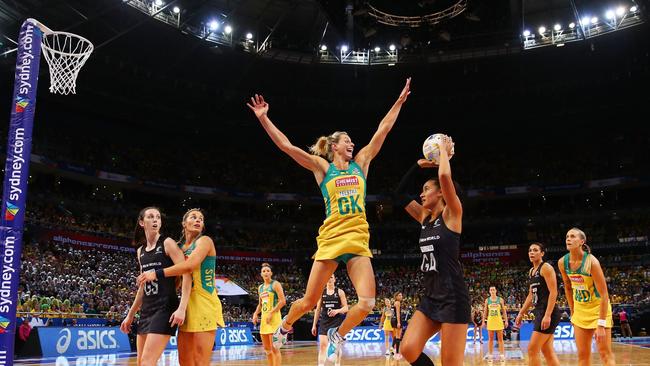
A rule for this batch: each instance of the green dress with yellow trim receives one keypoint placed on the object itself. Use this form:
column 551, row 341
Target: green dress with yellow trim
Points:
column 586, row 299
column 269, row 299
column 204, row 311
column 344, row 232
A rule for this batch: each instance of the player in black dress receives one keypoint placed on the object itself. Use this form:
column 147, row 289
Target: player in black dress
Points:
column 330, row 312
column 542, row 294
column 396, row 322
column 478, row 324
column 160, row 310
column 444, row 304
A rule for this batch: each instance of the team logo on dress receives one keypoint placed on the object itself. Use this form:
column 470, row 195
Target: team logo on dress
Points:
column 356, row 171
column 11, row 211
column 21, row 104
column 436, row 223
column 4, row 324
column 349, row 181
column 158, row 250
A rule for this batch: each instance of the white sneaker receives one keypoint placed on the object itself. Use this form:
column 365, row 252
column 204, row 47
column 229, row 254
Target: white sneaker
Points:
column 334, row 347
column 502, row 360
column 279, row 339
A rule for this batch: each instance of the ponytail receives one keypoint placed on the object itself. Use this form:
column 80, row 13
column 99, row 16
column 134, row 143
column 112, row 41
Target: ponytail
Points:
column 323, row 146
column 586, row 248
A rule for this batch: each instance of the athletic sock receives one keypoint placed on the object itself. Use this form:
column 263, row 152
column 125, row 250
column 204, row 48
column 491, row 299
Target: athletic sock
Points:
column 423, row 360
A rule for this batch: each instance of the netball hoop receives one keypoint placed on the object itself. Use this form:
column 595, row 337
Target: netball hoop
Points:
column 65, row 54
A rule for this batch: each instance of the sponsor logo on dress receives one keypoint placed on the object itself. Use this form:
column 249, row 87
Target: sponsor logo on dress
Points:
column 577, row 278
column 349, row 181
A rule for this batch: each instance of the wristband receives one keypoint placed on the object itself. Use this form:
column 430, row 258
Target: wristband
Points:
column 160, row 273
column 602, row 322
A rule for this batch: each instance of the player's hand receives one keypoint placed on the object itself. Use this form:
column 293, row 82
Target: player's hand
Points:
column 399, row 324
column 148, row 276
column 405, row 92
column 125, row 327
column 258, row 106
column 546, row 322
column 505, row 324
column 518, row 321
column 254, row 319
column 447, row 144
column 313, row 331
column 177, row 318
column 424, row 163
column 331, row 313
column 601, row 335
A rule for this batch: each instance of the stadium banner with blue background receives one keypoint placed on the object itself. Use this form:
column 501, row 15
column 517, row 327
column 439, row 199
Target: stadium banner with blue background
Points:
column 375, row 334
column 240, row 336
column 62, row 322
column 77, row 341
column 564, row 330
column 19, row 146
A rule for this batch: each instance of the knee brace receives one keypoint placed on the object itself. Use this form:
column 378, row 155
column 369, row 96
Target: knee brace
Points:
column 366, row 303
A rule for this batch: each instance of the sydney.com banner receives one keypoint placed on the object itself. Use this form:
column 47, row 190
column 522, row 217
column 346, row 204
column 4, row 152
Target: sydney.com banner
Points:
column 15, row 181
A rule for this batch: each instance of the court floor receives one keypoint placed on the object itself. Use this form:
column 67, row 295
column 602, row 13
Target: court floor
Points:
column 635, row 353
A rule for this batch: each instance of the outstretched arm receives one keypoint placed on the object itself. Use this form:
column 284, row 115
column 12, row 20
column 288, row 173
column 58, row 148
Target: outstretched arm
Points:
column 311, row 162
column 454, row 209
column 365, row 155
column 203, row 246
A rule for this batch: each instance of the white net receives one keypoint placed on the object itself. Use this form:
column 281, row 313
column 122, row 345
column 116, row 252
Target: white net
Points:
column 65, row 53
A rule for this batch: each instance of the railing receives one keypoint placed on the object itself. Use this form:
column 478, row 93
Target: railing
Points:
column 24, row 314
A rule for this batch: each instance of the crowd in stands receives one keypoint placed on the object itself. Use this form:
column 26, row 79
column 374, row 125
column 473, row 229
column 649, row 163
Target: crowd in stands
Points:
column 273, row 172
column 58, row 281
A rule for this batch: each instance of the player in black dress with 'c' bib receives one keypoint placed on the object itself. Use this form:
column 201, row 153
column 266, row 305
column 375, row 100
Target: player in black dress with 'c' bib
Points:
column 444, row 304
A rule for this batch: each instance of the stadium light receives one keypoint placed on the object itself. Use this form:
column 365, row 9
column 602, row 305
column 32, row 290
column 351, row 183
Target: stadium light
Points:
column 344, row 48
column 228, row 29
column 572, row 25
column 391, row 47
column 610, row 14
column 323, row 47
column 594, row 20
column 176, row 10
column 557, row 27
column 159, row 3
column 377, row 49
column 633, row 9
column 214, row 25
column 526, row 33
column 584, row 21
column 542, row 30
column 249, row 36
column 620, row 11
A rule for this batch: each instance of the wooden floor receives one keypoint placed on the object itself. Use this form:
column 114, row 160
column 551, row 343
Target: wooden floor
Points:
column 305, row 353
